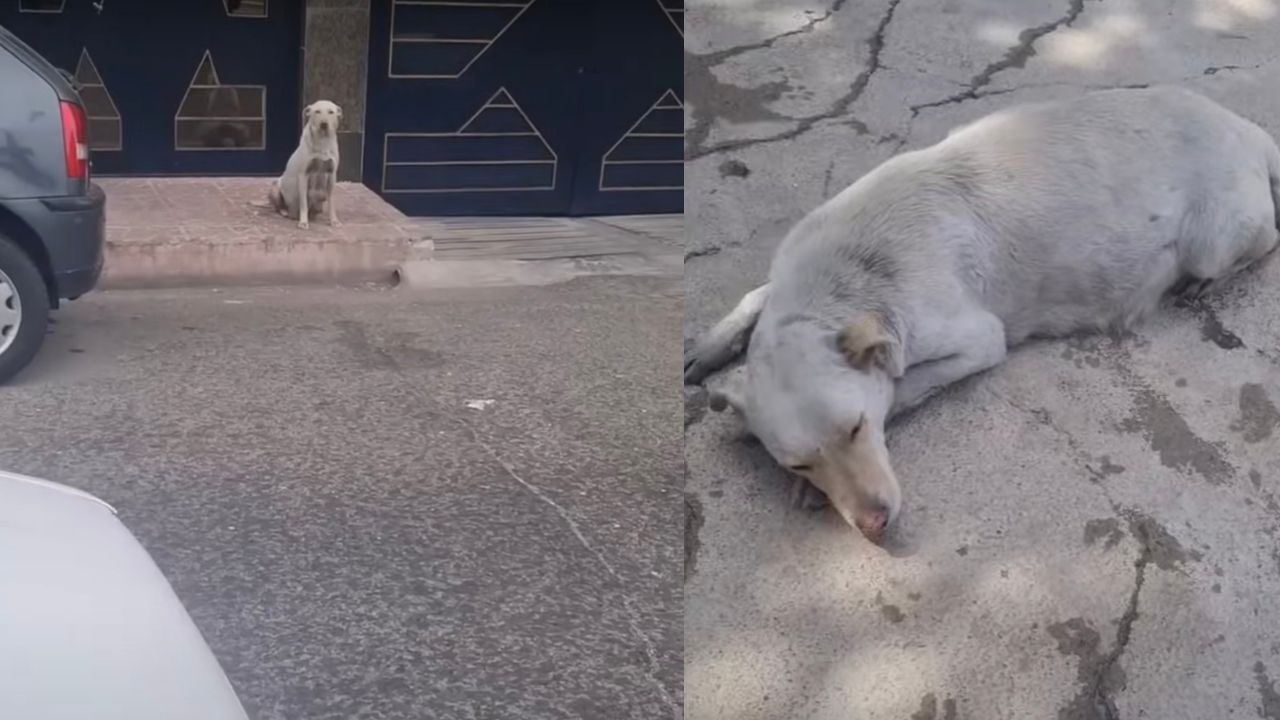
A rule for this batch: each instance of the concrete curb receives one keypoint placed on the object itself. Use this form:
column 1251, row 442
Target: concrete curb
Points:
column 439, row 274
column 168, row 232
column 194, row 263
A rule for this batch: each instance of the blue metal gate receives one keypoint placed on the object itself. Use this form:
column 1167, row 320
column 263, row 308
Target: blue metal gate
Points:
column 515, row 107
column 189, row 87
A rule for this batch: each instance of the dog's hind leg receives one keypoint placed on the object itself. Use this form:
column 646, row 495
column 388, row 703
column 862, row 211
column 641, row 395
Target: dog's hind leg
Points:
column 726, row 339
column 1263, row 242
column 962, row 346
column 275, row 199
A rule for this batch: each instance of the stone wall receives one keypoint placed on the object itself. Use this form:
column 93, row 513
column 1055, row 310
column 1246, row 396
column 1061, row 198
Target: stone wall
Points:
column 335, row 57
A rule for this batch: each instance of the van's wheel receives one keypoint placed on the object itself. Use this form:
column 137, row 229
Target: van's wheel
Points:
column 24, row 309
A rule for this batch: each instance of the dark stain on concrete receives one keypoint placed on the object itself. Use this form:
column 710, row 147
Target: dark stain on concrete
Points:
column 892, row 613
column 1216, row 588
column 913, row 597
column 1270, row 708
column 1101, row 675
column 1075, row 637
column 1097, row 673
column 1105, row 468
column 1159, row 545
column 1180, row 382
column 1108, row 467
column 1211, row 327
column 355, row 338
column 701, row 83
column 1258, row 415
column 693, row 521
column 1255, row 477
column 734, row 168
column 701, row 252
column 1100, row 528
column 406, row 349
column 695, row 404
column 721, row 101
column 1169, row 435
column 929, row 709
column 962, row 550
column 1080, row 356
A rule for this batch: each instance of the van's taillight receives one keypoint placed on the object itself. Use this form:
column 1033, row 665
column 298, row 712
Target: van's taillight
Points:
column 75, row 140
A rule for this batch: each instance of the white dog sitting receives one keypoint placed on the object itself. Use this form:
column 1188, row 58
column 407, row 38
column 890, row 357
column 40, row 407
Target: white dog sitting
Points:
column 306, row 187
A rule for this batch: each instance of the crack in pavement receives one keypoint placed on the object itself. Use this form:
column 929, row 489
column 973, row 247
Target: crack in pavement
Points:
column 697, row 136
column 1103, row 704
column 826, row 179
column 1015, row 57
column 719, row 56
column 701, row 65
column 1102, row 675
column 633, row 616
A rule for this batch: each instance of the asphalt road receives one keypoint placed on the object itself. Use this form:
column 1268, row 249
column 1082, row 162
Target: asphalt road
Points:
column 387, row 504
column 1088, row 532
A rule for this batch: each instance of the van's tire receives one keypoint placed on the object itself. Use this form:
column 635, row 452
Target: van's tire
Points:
column 24, row 309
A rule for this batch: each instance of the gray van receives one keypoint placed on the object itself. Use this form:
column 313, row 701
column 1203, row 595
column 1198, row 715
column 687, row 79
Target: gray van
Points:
column 52, row 217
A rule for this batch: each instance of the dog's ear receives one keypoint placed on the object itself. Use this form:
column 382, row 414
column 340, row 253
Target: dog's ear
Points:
column 338, row 108
column 306, row 113
column 869, row 342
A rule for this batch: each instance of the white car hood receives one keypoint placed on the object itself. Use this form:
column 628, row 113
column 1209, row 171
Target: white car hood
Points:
column 89, row 627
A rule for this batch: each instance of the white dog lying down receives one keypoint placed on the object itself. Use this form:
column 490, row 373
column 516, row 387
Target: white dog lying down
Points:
column 306, row 187
column 1039, row 220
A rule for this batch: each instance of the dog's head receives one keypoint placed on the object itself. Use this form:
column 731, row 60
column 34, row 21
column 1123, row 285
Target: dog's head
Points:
column 818, row 401
column 322, row 117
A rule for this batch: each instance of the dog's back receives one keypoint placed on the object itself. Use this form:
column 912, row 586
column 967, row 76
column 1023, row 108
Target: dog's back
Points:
column 1054, row 216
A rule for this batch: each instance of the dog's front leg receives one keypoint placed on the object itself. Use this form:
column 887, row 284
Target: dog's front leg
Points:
column 726, row 339
column 968, row 345
column 330, row 211
column 304, row 212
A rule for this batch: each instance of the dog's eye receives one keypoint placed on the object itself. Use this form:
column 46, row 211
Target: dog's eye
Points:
column 801, row 468
column 856, row 428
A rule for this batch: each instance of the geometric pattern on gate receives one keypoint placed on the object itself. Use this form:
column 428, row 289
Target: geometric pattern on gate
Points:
column 106, row 130
column 674, row 10
column 214, row 116
column 498, row 149
column 650, row 155
column 440, row 39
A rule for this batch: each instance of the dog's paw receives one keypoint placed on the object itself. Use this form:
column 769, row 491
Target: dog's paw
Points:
column 303, row 224
column 695, row 370
column 335, row 222
column 700, row 361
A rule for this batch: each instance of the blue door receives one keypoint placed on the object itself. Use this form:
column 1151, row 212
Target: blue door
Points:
column 190, row 87
column 525, row 107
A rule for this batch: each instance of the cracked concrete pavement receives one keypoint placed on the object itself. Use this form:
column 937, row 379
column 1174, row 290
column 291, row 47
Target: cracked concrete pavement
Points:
column 1089, row 531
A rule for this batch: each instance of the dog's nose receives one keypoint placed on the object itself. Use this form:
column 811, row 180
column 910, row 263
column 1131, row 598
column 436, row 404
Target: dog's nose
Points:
column 872, row 522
